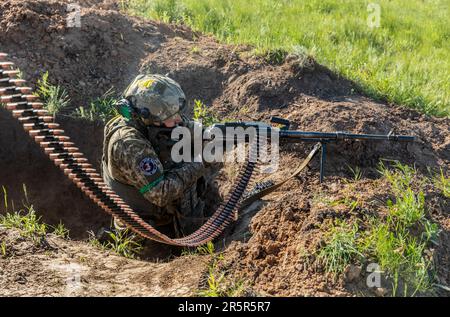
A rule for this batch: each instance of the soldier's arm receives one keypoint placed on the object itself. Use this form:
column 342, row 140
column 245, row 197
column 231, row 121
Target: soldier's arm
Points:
column 139, row 166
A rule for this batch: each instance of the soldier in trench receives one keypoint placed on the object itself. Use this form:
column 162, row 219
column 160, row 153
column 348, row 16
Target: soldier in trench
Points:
column 137, row 163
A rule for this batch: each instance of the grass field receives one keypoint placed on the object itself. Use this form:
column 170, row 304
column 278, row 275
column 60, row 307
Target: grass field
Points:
column 405, row 60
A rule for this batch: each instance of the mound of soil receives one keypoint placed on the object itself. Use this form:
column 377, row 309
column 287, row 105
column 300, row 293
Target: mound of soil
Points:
column 105, row 52
column 279, row 254
column 111, row 48
column 58, row 267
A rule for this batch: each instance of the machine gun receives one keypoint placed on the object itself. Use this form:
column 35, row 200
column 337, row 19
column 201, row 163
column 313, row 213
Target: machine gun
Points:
column 294, row 136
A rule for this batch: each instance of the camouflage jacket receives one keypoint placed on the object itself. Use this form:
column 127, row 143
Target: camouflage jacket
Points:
column 132, row 158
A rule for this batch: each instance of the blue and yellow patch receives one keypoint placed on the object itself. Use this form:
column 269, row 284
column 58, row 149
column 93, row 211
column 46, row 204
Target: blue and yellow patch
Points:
column 146, row 84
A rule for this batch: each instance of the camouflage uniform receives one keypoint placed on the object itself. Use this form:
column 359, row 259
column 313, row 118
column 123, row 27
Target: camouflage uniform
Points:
column 137, row 165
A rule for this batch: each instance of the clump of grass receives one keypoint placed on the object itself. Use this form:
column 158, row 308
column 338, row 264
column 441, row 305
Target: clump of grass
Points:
column 204, row 114
column 218, row 284
column 341, row 248
column 348, row 202
column 3, row 249
column 356, row 172
column 205, row 249
column 93, row 241
column 275, row 56
column 443, row 183
column 60, row 230
column 26, row 221
column 102, row 108
column 121, row 242
column 401, row 255
column 54, row 97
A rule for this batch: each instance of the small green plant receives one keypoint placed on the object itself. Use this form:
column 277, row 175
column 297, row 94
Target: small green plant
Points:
column 54, row 97
column 203, row 114
column 217, row 286
column 340, row 248
column 20, row 75
column 215, row 283
column 102, row 108
column 205, row 249
column 275, row 56
column 357, row 173
column 399, row 176
column 218, row 283
column 26, row 221
column 93, row 241
column 3, row 249
column 123, row 243
column 408, row 208
column 401, row 255
column 348, row 202
column 195, row 50
column 60, row 230
column 443, row 183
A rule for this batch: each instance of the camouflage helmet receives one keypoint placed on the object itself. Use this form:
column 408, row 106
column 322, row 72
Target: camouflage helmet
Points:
column 155, row 97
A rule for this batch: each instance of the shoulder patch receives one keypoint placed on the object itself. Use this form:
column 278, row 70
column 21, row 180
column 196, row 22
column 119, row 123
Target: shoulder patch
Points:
column 148, row 166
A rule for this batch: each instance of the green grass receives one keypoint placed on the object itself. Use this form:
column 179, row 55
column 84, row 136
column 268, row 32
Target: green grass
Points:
column 26, row 220
column 121, row 242
column 102, row 108
column 3, row 249
column 60, row 230
column 205, row 249
column 398, row 241
column 219, row 284
column 204, row 114
column 442, row 183
column 405, row 60
column 55, row 98
column 340, row 249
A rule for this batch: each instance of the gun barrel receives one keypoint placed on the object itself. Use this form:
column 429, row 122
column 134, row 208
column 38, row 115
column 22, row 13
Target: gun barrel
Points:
column 305, row 136
column 335, row 136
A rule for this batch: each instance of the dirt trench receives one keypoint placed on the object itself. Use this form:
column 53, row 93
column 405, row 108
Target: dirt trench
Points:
column 110, row 48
